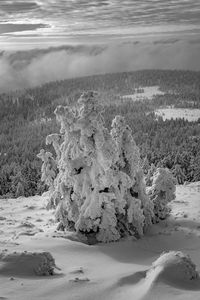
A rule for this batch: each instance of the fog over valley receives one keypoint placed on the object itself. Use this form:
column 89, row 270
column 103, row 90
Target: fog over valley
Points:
column 28, row 68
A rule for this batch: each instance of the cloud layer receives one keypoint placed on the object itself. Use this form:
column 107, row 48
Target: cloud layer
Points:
column 95, row 17
column 30, row 68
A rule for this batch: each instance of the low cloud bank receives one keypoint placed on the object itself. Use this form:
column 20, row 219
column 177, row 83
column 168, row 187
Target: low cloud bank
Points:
column 28, row 69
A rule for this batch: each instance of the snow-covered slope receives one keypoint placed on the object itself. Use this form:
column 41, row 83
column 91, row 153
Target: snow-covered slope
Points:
column 115, row 271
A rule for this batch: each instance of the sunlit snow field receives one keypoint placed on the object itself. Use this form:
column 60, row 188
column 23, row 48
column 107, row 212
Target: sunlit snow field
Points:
column 174, row 113
column 114, row 271
column 149, row 93
column 166, row 113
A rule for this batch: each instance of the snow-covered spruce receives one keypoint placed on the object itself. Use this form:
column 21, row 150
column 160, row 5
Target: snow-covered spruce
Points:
column 96, row 182
column 162, row 192
column 149, row 175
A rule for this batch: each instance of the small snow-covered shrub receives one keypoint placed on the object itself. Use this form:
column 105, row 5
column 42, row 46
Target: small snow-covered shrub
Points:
column 96, row 183
column 48, row 167
column 176, row 266
column 162, row 192
column 27, row 263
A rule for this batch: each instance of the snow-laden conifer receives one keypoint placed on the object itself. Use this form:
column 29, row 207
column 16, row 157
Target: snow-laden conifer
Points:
column 96, row 182
column 162, row 192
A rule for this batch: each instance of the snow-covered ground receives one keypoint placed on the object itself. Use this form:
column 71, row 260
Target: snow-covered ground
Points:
column 174, row 113
column 149, row 93
column 115, row 271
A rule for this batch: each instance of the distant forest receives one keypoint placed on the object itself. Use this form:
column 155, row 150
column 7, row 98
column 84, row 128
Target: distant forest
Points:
column 26, row 118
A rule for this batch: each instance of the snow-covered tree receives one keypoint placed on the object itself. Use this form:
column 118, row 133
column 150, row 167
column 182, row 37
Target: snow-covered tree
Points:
column 145, row 165
column 96, row 182
column 149, row 176
column 179, row 174
column 162, row 192
column 49, row 172
column 19, row 190
column 48, row 167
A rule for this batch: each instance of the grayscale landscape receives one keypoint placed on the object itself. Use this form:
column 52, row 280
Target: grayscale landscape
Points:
column 99, row 150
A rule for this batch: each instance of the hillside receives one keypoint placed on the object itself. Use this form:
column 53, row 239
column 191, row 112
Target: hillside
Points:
column 103, row 271
column 26, row 118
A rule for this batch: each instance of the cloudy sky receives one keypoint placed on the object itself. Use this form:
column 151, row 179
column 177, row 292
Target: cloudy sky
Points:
column 45, row 40
column 41, row 22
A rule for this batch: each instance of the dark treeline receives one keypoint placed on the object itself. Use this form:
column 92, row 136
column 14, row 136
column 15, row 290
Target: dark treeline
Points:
column 26, row 118
column 185, row 84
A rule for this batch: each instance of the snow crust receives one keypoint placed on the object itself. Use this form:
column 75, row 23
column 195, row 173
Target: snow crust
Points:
column 114, row 271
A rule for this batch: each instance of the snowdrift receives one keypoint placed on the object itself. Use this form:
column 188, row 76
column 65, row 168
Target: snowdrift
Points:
column 176, row 268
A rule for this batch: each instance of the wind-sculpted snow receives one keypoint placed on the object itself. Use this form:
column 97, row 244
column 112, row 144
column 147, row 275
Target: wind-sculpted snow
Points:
column 96, row 183
column 176, row 267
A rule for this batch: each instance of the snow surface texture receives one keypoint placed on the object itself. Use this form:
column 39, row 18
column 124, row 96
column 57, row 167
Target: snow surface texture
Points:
column 96, row 183
column 114, row 271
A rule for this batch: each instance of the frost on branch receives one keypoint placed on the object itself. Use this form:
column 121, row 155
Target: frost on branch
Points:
column 98, row 189
column 162, row 192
